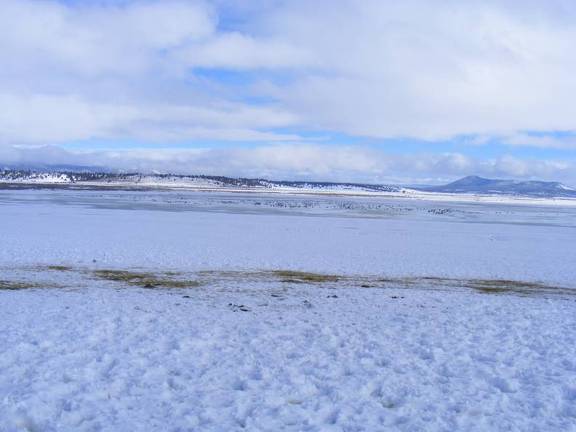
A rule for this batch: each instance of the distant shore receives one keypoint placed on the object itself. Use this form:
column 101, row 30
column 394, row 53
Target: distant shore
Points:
column 410, row 194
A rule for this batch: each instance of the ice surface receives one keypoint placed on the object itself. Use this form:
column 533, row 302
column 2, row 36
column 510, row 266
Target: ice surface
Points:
column 251, row 349
column 363, row 236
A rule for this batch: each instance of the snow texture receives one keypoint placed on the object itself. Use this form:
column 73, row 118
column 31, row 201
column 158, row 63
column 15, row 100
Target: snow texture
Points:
column 243, row 352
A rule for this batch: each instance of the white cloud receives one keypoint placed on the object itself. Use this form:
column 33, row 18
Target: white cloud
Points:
column 415, row 68
column 95, row 40
column 45, row 118
column 238, row 51
column 91, row 71
column 48, row 119
column 432, row 69
column 564, row 142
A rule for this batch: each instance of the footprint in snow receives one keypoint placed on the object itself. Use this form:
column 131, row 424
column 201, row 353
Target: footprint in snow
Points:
column 236, row 308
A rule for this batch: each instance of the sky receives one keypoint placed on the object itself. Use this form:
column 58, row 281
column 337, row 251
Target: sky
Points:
column 397, row 91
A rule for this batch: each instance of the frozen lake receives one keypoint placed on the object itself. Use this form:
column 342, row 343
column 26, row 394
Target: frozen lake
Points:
column 344, row 235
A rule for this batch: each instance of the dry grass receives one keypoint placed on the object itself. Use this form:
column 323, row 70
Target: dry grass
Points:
column 145, row 279
column 495, row 286
column 16, row 285
column 303, row 277
column 59, row 268
column 486, row 286
column 172, row 279
column 399, row 281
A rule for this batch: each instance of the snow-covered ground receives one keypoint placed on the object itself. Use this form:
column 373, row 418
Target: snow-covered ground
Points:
column 181, row 311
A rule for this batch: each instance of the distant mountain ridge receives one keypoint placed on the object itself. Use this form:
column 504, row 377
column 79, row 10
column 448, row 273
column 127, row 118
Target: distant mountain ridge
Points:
column 87, row 178
column 56, row 177
column 484, row 186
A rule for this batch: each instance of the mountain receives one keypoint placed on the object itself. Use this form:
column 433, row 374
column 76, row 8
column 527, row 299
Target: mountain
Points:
column 97, row 178
column 480, row 185
column 86, row 179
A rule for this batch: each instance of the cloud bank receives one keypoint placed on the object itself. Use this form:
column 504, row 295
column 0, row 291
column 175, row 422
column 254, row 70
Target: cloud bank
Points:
column 176, row 71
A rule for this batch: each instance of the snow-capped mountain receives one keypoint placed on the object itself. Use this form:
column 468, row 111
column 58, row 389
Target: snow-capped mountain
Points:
column 480, row 185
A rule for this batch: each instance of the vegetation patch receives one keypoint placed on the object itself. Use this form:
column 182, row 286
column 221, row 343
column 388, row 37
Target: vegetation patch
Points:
column 494, row 286
column 486, row 286
column 435, row 279
column 230, row 274
column 303, row 277
column 59, row 268
column 16, row 285
column 405, row 281
column 179, row 279
column 144, row 279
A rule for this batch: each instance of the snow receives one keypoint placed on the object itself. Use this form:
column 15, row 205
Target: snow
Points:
column 208, row 231
column 247, row 351
column 205, row 184
column 39, row 178
column 133, row 360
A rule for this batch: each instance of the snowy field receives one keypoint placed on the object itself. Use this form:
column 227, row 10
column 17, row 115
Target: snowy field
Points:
column 189, row 311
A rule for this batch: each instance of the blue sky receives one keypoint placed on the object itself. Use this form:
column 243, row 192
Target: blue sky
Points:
column 403, row 91
column 461, row 144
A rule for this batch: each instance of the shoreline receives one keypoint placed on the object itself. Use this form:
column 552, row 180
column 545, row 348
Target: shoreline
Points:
column 409, row 194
